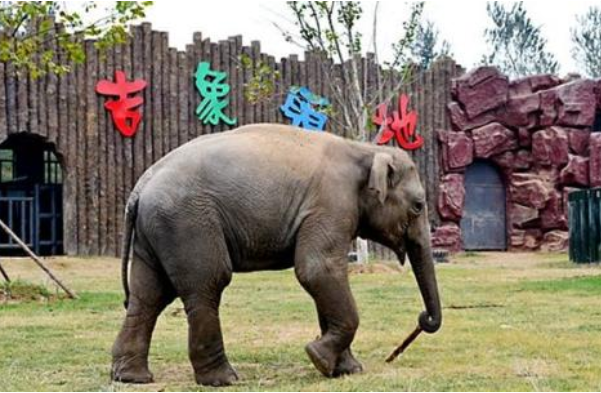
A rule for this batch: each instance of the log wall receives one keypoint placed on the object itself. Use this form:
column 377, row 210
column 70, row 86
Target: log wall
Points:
column 101, row 167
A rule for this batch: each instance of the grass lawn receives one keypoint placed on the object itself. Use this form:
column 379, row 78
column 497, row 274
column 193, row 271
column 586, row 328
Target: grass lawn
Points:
column 511, row 322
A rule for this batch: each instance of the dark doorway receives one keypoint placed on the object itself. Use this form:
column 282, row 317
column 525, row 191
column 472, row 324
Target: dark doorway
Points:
column 483, row 222
column 597, row 123
column 31, row 195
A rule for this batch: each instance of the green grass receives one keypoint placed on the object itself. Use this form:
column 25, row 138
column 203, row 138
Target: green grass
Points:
column 511, row 322
column 22, row 291
column 583, row 286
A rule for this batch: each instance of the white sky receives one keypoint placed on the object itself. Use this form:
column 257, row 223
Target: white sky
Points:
column 460, row 23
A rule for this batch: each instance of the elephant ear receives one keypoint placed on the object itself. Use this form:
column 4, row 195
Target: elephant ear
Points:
column 381, row 168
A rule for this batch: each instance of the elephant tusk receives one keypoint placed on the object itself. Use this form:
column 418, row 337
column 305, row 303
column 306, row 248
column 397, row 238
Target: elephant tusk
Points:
column 401, row 348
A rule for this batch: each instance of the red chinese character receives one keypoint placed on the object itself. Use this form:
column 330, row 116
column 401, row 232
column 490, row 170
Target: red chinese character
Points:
column 123, row 109
column 401, row 124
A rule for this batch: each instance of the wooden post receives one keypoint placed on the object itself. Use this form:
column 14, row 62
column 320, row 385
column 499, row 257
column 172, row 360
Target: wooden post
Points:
column 3, row 103
column 3, row 272
column 166, row 95
column 183, row 78
column 37, row 260
column 362, row 251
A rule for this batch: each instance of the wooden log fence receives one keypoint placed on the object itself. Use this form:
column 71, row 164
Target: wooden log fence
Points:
column 101, row 166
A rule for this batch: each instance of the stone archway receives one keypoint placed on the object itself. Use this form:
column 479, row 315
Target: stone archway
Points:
column 538, row 132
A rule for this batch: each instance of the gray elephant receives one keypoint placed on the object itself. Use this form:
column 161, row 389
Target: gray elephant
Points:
column 265, row 197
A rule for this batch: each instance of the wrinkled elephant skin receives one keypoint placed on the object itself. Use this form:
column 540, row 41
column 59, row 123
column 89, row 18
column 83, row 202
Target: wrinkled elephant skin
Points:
column 265, row 197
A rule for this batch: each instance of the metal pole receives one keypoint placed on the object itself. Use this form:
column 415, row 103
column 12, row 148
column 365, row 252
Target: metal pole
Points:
column 37, row 260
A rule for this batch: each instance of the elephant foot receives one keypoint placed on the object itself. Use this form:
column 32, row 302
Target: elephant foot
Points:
column 347, row 364
column 323, row 359
column 223, row 375
column 127, row 371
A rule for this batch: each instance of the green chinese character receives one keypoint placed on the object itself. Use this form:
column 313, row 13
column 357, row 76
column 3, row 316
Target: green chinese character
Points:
column 212, row 89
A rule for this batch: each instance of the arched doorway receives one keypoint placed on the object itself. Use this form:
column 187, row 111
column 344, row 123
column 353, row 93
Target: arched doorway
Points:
column 31, row 194
column 483, row 225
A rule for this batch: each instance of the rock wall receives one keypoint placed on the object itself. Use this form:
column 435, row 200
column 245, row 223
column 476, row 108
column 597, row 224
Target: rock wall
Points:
column 539, row 132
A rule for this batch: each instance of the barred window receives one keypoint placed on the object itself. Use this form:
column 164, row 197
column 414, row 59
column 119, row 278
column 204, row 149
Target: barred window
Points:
column 7, row 165
column 52, row 169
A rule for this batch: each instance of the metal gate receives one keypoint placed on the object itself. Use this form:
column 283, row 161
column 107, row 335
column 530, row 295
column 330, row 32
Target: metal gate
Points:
column 584, row 216
column 18, row 213
column 35, row 216
column 49, row 217
column 483, row 226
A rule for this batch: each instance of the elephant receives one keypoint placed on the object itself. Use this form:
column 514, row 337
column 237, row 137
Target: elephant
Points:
column 265, row 197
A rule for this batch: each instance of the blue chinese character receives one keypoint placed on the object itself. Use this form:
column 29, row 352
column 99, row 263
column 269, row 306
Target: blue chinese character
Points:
column 299, row 108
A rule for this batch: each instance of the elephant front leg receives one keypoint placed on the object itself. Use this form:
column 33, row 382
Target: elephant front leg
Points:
column 347, row 363
column 324, row 276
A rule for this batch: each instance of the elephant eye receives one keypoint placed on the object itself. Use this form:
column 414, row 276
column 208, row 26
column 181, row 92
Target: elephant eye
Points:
column 418, row 207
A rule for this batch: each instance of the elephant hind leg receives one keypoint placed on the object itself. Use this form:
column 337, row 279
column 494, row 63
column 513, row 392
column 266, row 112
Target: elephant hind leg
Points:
column 150, row 293
column 200, row 270
column 205, row 342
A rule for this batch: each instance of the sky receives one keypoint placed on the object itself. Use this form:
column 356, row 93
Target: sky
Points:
column 460, row 23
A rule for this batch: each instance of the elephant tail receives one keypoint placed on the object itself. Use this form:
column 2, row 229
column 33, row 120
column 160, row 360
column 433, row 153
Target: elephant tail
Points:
column 131, row 212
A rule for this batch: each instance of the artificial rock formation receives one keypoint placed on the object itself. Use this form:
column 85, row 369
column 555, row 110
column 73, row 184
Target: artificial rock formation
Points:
column 481, row 90
column 493, row 139
column 451, row 197
column 550, row 146
column 538, row 131
column 595, row 160
column 447, row 236
column 457, row 151
column 555, row 241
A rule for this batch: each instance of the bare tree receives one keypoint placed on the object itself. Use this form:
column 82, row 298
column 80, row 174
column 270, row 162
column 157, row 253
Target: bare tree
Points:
column 586, row 38
column 517, row 46
column 332, row 30
column 426, row 47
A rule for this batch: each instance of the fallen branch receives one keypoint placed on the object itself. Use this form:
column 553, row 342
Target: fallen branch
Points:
column 401, row 348
column 469, row 306
column 37, row 260
column 3, row 272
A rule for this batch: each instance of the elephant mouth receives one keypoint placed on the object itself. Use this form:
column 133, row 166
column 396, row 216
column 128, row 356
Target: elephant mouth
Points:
column 403, row 226
column 399, row 247
column 400, row 234
column 401, row 237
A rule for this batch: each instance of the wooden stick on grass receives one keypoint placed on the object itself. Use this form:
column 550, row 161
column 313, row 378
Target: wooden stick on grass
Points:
column 3, row 272
column 401, row 348
column 37, row 260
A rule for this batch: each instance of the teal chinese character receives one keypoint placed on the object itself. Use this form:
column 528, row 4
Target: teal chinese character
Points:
column 211, row 86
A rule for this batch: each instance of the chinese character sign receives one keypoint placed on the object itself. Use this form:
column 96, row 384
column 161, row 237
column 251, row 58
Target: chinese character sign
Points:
column 399, row 124
column 211, row 86
column 123, row 109
column 300, row 108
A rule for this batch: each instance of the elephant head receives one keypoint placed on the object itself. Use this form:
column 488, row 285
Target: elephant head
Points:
column 394, row 213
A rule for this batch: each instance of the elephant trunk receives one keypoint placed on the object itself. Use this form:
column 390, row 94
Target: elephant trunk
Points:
column 420, row 256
